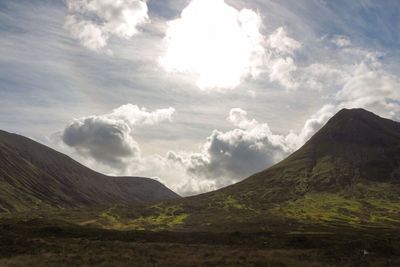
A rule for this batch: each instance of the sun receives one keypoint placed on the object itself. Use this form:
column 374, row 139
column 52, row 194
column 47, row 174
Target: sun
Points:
column 217, row 43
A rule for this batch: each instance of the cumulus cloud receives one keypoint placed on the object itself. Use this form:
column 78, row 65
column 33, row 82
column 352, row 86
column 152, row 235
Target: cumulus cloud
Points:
column 227, row 157
column 215, row 42
column 93, row 22
column 108, row 138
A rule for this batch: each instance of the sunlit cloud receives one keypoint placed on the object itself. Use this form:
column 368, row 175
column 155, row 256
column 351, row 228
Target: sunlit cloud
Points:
column 93, row 22
column 216, row 43
column 282, row 43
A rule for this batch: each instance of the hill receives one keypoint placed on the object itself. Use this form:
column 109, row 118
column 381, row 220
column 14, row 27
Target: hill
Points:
column 34, row 176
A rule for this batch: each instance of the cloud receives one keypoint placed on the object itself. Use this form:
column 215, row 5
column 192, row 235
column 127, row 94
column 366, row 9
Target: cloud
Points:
column 134, row 115
column 93, row 22
column 108, row 138
column 321, row 76
column 341, row 41
column 216, row 43
column 372, row 88
column 227, row 157
column 281, row 43
column 280, row 63
column 281, row 70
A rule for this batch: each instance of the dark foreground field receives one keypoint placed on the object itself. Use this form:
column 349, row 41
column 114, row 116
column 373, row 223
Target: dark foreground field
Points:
column 54, row 243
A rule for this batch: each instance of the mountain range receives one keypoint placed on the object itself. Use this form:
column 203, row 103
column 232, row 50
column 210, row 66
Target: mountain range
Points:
column 347, row 174
column 334, row 202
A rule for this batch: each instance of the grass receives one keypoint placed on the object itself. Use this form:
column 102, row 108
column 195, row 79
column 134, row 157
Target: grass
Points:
column 333, row 208
column 40, row 242
column 160, row 217
column 230, row 202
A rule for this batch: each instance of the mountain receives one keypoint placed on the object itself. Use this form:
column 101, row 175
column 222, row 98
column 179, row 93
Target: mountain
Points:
column 356, row 149
column 347, row 174
column 34, row 176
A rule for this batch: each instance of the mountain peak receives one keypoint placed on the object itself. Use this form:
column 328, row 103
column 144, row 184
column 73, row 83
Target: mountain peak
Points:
column 355, row 113
column 357, row 126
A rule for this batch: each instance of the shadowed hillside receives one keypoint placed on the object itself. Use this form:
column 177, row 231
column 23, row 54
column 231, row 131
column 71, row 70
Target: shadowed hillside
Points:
column 34, row 176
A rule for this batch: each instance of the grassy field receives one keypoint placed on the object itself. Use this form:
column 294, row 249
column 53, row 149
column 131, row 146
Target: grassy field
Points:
column 39, row 242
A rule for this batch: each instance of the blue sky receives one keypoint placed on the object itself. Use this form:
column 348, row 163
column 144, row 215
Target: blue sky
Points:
column 168, row 96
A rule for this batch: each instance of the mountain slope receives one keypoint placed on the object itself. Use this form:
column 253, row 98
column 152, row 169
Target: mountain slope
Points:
column 355, row 147
column 348, row 173
column 34, row 176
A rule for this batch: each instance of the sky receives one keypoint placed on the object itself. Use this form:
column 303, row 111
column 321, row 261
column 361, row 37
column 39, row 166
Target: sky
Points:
column 197, row 94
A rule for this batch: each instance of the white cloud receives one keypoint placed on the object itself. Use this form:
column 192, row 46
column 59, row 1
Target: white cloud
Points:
column 319, row 76
column 134, row 115
column 341, row 41
column 281, row 70
column 281, row 66
column 281, row 43
column 108, row 138
column 372, row 88
column 93, row 22
column 89, row 34
column 215, row 42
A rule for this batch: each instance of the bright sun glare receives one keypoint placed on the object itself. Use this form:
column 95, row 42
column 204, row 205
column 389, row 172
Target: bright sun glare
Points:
column 216, row 42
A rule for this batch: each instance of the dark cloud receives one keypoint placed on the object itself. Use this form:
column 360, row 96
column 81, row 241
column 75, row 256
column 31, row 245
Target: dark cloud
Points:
column 105, row 140
column 229, row 156
column 108, row 138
